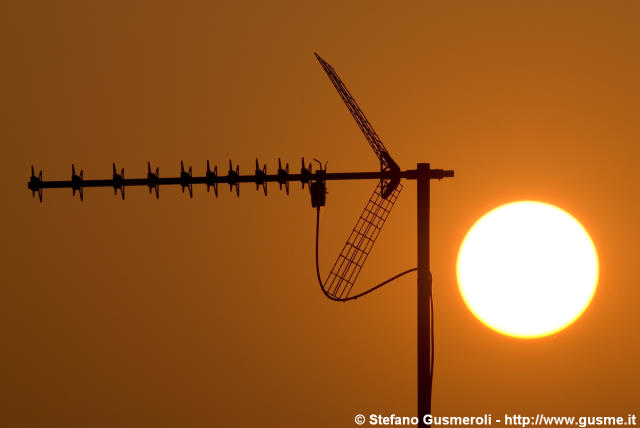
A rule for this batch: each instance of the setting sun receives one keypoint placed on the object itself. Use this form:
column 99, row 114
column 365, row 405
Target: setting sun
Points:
column 527, row 269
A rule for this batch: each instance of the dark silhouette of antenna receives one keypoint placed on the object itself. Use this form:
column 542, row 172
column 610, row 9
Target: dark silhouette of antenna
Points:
column 350, row 261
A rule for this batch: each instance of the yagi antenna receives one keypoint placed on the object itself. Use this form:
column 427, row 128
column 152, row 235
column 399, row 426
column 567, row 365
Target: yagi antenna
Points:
column 343, row 275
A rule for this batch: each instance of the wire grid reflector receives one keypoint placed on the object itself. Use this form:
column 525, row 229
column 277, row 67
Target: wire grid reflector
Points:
column 347, row 267
column 354, row 109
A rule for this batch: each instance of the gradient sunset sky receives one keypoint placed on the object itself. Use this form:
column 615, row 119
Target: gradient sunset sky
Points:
column 206, row 312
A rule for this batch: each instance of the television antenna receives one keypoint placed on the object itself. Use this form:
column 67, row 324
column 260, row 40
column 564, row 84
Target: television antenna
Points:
column 344, row 273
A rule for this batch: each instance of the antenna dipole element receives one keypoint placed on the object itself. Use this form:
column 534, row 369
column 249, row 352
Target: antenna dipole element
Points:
column 153, row 180
column 185, row 179
column 76, row 182
column 118, row 181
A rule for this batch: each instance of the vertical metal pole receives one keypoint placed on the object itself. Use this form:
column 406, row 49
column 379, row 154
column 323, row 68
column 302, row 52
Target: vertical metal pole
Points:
column 424, row 295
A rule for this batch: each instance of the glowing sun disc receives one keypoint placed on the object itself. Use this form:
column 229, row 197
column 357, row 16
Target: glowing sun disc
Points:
column 527, row 269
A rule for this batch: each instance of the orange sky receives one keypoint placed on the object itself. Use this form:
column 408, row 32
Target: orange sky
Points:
column 206, row 312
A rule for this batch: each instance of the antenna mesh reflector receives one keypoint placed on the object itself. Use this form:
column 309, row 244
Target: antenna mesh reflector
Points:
column 347, row 267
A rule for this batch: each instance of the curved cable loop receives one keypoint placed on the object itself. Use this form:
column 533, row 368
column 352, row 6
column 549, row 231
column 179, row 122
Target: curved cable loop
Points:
column 375, row 287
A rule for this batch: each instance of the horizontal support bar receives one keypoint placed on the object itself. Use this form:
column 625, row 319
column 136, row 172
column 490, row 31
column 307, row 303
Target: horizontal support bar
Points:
column 227, row 179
